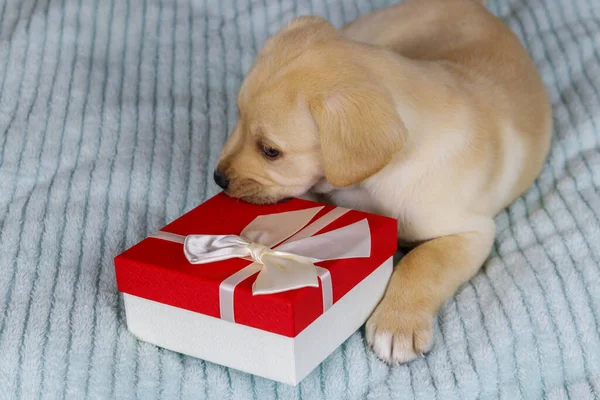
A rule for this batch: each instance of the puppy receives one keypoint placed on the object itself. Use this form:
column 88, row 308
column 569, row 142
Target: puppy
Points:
column 428, row 111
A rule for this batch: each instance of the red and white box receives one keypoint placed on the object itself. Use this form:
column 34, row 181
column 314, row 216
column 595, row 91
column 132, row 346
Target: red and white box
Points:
column 271, row 290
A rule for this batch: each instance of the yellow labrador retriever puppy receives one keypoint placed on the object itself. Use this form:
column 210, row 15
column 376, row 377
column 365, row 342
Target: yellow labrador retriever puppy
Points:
column 429, row 111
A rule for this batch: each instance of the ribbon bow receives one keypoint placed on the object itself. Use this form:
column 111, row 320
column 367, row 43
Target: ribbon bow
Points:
column 291, row 264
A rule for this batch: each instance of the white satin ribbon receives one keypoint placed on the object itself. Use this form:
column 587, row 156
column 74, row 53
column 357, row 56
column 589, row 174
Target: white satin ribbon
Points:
column 291, row 264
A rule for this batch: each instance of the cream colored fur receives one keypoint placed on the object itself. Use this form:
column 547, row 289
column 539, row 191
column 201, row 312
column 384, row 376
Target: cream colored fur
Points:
column 429, row 111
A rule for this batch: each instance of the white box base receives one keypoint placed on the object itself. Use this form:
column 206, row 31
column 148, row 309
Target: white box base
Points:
column 251, row 350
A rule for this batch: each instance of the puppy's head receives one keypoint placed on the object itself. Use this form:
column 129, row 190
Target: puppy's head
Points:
column 308, row 109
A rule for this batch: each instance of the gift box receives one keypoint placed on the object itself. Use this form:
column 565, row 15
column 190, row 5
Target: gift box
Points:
column 271, row 290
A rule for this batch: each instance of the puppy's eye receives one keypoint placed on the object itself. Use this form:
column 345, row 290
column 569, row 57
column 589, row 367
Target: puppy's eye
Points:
column 270, row 152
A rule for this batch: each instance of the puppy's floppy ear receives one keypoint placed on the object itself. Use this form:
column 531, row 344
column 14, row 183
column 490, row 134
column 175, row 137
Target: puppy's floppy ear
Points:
column 360, row 132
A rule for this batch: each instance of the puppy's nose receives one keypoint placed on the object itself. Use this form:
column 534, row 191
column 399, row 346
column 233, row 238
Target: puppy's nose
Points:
column 220, row 179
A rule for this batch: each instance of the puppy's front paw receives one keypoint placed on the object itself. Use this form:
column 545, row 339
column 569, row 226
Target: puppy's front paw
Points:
column 399, row 333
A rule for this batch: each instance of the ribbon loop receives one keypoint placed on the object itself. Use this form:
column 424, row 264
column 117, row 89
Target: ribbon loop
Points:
column 204, row 249
column 271, row 229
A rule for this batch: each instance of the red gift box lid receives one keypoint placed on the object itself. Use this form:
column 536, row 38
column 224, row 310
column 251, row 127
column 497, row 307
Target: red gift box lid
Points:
column 158, row 270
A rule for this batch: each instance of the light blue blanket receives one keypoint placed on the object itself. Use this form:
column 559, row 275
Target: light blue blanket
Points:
column 112, row 114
